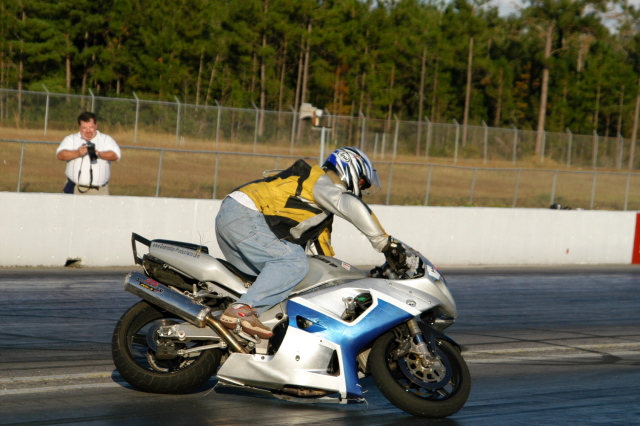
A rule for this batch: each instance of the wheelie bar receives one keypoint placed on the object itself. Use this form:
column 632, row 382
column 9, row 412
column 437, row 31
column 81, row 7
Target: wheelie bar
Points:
column 179, row 304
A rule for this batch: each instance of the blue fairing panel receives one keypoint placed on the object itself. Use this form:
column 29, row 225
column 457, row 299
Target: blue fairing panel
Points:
column 352, row 337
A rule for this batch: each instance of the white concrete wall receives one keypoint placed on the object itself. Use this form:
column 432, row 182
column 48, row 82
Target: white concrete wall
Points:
column 47, row 229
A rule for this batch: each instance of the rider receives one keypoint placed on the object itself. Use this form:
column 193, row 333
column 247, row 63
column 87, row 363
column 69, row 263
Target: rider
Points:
column 263, row 227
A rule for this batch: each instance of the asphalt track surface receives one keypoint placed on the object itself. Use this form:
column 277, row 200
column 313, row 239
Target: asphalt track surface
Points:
column 545, row 346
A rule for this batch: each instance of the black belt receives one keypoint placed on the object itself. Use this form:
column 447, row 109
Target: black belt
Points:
column 93, row 187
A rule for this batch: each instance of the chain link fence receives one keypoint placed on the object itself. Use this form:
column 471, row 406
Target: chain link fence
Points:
column 143, row 123
column 31, row 166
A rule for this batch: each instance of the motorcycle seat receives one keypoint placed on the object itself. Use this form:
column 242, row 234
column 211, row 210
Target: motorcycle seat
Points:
column 245, row 277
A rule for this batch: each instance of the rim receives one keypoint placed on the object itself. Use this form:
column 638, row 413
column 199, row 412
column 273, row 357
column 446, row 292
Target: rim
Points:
column 430, row 379
column 142, row 346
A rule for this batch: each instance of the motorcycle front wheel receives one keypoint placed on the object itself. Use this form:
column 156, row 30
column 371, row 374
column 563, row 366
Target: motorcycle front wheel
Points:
column 435, row 388
column 134, row 354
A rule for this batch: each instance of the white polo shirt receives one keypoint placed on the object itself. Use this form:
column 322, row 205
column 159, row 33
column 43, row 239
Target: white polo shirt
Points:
column 79, row 170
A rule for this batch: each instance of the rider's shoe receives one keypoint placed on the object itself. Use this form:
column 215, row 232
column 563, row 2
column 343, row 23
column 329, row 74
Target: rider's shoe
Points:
column 248, row 319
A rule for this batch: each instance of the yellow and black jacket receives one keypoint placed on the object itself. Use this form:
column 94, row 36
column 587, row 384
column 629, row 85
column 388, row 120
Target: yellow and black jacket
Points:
column 299, row 203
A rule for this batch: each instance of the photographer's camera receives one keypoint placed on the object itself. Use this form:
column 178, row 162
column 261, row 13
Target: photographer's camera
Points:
column 91, row 150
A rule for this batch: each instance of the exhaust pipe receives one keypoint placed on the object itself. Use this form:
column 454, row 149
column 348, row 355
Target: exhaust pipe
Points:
column 179, row 304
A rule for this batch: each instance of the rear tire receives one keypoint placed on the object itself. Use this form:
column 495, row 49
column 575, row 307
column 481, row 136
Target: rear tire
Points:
column 136, row 361
column 425, row 391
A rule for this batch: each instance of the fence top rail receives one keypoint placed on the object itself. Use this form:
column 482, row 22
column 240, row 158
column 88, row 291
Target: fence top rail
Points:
column 387, row 163
column 183, row 151
column 239, row 109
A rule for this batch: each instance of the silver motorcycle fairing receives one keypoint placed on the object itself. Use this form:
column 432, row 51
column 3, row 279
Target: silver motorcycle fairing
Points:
column 206, row 268
column 301, row 360
column 196, row 264
column 316, row 330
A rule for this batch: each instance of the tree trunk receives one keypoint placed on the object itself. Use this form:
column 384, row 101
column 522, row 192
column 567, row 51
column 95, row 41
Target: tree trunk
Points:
column 305, row 70
column 283, row 72
column 498, row 117
column 544, row 91
column 390, row 108
column 596, row 113
column 263, row 86
column 296, row 102
column 620, row 109
column 199, row 81
column 254, row 71
column 211, row 78
column 68, row 64
column 423, row 71
column 85, row 73
column 467, row 97
column 305, row 73
column 263, row 74
column 434, row 97
column 634, row 133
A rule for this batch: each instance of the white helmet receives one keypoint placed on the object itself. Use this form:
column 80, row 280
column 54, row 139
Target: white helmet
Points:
column 352, row 165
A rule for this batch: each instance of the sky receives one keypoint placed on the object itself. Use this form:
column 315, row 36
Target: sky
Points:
column 508, row 7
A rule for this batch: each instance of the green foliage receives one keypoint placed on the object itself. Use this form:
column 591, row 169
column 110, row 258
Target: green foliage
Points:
column 363, row 56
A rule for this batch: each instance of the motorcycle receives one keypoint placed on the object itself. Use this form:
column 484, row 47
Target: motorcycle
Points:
column 338, row 326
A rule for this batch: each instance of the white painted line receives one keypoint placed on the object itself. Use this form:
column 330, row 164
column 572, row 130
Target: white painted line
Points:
column 582, row 355
column 555, row 348
column 59, row 377
column 60, row 388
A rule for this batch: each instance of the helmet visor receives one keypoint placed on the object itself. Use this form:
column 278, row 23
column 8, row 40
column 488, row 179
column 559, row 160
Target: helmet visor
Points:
column 373, row 186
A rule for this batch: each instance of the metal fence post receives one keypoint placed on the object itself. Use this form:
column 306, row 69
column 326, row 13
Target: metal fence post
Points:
column 294, row 123
column 384, row 143
column 515, row 143
column 159, row 173
column 362, row 133
column 426, row 197
column 473, row 185
column 323, row 141
column 595, row 148
column 389, row 185
column 135, row 129
column 93, row 101
column 486, row 140
column 428, row 147
column 620, row 149
column 593, row 190
column 177, row 121
column 20, row 168
column 515, row 192
column 455, row 155
column 375, row 145
column 553, row 186
column 255, row 131
column 215, row 177
column 46, row 110
column 570, row 137
column 217, row 123
column 626, row 192
column 395, row 138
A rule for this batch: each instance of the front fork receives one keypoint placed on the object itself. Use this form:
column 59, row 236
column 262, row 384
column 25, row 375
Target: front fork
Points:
column 425, row 349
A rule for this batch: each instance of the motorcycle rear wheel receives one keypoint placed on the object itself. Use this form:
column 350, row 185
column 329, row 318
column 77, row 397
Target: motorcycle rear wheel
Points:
column 136, row 362
column 435, row 391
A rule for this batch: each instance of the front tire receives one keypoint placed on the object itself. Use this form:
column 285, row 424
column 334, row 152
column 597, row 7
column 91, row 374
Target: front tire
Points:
column 136, row 361
column 436, row 390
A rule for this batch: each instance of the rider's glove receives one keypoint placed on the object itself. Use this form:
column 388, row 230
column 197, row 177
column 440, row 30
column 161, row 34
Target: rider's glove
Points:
column 395, row 254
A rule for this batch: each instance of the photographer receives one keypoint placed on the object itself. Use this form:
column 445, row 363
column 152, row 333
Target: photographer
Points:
column 88, row 154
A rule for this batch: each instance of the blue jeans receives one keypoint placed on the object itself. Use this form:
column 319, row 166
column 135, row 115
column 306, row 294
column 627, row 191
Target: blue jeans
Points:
column 249, row 244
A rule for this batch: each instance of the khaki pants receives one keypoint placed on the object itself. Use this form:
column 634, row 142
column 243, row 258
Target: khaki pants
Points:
column 103, row 190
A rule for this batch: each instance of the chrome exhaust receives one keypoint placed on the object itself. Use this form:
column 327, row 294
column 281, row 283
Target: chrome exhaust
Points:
column 179, row 304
